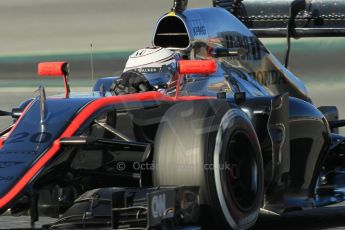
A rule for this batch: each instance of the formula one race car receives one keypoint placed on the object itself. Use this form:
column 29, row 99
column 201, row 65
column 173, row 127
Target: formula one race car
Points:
column 239, row 134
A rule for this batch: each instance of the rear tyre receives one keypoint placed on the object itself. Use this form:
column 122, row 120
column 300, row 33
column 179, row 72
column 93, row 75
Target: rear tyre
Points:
column 213, row 145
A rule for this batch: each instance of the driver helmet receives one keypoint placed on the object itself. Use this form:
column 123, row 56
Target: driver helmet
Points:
column 158, row 65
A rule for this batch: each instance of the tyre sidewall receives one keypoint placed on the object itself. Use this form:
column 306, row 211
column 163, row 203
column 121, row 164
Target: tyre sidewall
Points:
column 193, row 134
column 223, row 208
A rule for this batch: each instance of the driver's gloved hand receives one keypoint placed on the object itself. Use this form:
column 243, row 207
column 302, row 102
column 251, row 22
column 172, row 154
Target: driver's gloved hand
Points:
column 118, row 88
column 131, row 82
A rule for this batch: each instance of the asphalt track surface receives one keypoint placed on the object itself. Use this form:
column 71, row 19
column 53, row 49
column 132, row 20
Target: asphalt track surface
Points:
column 325, row 218
column 36, row 30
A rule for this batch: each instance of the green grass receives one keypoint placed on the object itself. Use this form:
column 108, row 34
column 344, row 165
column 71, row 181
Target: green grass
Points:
column 275, row 45
column 307, row 44
column 79, row 56
column 45, row 82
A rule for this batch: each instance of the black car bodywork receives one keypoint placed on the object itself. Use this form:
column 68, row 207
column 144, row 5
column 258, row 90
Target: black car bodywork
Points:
column 62, row 147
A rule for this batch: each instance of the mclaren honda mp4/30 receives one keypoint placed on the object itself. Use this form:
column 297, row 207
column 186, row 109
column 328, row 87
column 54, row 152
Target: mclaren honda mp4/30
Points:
column 240, row 133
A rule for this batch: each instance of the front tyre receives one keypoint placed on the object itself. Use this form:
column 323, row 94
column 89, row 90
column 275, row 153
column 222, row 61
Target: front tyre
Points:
column 213, row 145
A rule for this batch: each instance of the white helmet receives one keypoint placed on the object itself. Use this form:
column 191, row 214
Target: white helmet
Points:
column 157, row 64
column 151, row 57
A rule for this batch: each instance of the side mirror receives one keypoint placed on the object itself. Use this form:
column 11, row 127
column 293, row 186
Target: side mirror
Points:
column 55, row 69
column 197, row 66
column 194, row 67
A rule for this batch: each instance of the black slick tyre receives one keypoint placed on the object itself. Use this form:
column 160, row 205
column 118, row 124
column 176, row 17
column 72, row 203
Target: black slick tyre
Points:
column 212, row 144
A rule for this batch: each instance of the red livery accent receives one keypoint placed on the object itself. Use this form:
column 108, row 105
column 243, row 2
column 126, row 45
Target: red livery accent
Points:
column 53, row 69
column 197, row 66
column 76, row 123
